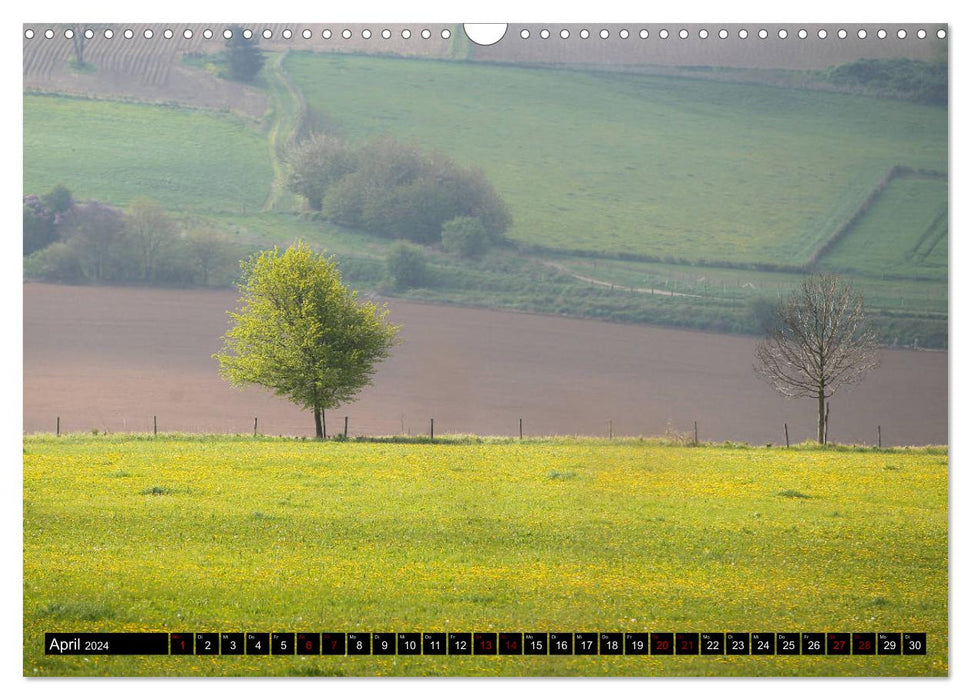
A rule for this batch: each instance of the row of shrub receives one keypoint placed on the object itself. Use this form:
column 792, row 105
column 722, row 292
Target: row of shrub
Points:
column 900, row 78
column 77, row 242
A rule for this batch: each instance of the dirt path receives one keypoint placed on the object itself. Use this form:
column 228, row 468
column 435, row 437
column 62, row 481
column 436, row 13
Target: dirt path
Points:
column 602, row 283
column 286, row 110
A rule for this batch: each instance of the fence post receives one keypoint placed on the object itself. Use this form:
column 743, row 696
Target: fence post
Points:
column 255, row 423
column 432, row 430
column 787, row 434
column 826, row 425
column 696, row 432
column 520, row 428
column 58, row 426
column 879, row 437
column 345, row 427
column 610, row 429
column 155, row 425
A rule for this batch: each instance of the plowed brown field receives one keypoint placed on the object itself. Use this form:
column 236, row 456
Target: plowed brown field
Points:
column 111, row 358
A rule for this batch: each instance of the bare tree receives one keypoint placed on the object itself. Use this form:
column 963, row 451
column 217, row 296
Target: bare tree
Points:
column 209, row 249
column 820, row 341
column 79, row 37
column 151, row 232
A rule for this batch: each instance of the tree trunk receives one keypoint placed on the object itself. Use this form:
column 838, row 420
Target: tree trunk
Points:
column 318, row 422
column 821, row 432
column 79, row 47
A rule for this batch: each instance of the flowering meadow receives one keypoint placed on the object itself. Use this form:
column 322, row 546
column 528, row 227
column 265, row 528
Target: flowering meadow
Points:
column 181, row 533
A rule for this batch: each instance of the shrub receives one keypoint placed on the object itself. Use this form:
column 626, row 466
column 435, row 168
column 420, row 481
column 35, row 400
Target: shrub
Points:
column 465, row 236
column 58, row 262
column 406, row 266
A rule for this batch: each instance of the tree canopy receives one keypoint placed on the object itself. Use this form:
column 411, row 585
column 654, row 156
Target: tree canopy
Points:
column 302, row 333
column 393, row 189
column 244, row 58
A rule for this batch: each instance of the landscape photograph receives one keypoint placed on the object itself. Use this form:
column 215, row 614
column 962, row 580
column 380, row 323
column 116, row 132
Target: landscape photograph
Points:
column 447, row 349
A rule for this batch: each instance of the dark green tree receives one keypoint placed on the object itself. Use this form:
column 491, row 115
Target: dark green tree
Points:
column 406, row 266
column 243, row 55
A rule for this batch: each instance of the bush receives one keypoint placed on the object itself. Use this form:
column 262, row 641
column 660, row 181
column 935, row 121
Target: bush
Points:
column 406, row 266
column 465, row 236
column 316, row 164
column 39, row 230
column 58, row 262
column 58, row 200
column 393, row 189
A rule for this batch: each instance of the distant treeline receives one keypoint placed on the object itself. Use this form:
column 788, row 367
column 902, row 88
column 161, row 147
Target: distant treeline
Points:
column 900, row 78
column 78, row 242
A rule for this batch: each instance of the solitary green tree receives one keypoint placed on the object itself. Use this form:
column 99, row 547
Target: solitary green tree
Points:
column 302, row 333
column 818, row 340
column 244, row 58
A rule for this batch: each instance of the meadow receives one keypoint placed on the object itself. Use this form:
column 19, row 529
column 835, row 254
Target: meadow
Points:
column 203, row 533
column 634, row 164
column 691, row 174
column 186, row 159
column 904, row 234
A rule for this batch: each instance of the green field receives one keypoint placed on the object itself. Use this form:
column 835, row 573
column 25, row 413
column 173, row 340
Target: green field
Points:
column 904, row 233
column 717, row 183
column 625, row 163
column 187, row 160
column 131, row 533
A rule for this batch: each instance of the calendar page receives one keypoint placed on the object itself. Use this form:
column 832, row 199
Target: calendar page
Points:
column 380, row 349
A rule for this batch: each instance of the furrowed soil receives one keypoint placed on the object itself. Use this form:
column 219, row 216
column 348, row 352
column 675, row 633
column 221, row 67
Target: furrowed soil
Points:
column 112, row 358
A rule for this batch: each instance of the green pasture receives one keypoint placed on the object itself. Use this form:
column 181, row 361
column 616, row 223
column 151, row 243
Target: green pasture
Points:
column 915, row 296
column 186, row 534
column 626, row 163
column 187, row 160
column 903, row 233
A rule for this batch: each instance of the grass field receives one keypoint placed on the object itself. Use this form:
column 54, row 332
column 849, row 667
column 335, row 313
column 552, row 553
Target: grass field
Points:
column 638, row 164
column 130, row 533
column 682, row 170
column 903, row 233
column 188, row 160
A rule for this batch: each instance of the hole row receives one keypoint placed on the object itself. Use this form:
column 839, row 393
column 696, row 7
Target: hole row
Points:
column 724, row 34
column 446, row 34
column 228, row 34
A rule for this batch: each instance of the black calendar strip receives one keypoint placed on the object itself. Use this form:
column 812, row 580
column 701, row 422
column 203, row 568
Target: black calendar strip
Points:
column 486, row 643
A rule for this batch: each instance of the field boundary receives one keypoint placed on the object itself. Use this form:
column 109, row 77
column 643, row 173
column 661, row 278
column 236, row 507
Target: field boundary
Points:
column 897, row 171
column 473, row 439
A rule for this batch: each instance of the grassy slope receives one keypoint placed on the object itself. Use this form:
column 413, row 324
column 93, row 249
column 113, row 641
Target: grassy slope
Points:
column 625, row 163
column 886, row 238
column 188, row 160
column 282, row 535
column 215, row 168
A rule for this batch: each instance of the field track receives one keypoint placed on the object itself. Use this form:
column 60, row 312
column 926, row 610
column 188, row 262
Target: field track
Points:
column 108, row 358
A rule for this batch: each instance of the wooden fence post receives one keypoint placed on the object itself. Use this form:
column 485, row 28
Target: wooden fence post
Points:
column 432, row 430
column 155, row 425
column 826, row 425
column 610, row 429
column 696, row 432
column 345, row 427
column 255, row 423
column 520, row 428
column 879, row 437
column 58, row 426
column 787, row 434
